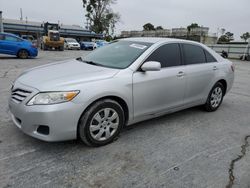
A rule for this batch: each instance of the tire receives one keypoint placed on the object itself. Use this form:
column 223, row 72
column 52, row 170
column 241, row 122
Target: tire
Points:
column 215, row 97
column 23, row 54
column 45, row 47
column 94, row 125
column 61, row 48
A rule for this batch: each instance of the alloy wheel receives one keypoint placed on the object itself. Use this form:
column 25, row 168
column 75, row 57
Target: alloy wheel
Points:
column 104, row 124
column 216, row 97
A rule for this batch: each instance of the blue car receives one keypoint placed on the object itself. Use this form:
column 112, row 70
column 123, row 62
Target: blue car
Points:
column 101, row 43
column 87, row 45
column 13, row 45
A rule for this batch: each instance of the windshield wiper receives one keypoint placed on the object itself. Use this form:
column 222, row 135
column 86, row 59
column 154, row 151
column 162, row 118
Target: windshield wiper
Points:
column 88, row 62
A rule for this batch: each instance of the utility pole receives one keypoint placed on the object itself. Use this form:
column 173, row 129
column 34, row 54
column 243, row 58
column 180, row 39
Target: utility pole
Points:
column 21, row 14
column 1, row 22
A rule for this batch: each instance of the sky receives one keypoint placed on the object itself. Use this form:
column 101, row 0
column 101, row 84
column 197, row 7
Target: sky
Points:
column 232, row 15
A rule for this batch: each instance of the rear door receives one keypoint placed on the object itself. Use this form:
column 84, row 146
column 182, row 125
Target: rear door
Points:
column 200, row 72
column 157, row 91
column 2, row 46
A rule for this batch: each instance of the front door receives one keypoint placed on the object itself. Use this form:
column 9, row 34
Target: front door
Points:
column 155, row 92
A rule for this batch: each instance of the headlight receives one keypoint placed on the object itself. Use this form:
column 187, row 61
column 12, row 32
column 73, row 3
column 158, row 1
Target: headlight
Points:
column 52, row 98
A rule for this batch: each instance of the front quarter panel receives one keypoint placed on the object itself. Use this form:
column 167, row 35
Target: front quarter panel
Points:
column 118, row 86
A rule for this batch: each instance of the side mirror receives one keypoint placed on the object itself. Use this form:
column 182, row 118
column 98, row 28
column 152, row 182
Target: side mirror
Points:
column 151, row 66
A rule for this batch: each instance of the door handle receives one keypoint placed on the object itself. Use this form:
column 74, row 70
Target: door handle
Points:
column 180, row 74
column 215, row 68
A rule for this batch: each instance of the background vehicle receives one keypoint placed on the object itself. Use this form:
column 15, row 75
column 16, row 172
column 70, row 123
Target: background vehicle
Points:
column 30, row 38
column 14, row 45
column 100, row 43
column 71, row 44
column 52, row 38
column 87, row 45
column 128, row 81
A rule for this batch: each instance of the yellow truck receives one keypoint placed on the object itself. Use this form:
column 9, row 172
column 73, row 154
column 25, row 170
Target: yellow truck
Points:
column 51, row 39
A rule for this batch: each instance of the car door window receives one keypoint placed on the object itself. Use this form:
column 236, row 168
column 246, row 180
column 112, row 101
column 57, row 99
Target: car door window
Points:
column 193, row 54
column 209, row 57
column 168, row 55
column 10, row 38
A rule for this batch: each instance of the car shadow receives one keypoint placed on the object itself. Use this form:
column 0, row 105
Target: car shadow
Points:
column 15, row 58
column 126, row 130
column 165, row 118
column 7, row 57
column 65, row 146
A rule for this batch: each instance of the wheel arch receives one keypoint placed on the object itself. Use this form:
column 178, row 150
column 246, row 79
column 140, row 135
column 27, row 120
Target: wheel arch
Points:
column 119, row 100
column 22, row 49
column 224, row 83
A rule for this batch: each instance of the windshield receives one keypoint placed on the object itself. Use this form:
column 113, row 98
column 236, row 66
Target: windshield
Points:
column 119, row 54
column 70, row 40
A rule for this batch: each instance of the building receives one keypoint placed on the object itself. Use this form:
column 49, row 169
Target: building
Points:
column 200, row 34
column 154, row 33
column 24, row 27
column 179, row 32
column 199, row 31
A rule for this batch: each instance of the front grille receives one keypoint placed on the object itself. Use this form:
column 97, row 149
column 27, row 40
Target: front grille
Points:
column 19, row 95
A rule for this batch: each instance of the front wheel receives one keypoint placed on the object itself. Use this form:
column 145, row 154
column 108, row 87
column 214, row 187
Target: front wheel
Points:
column 101, row 123
column 23, row 54
column 215, row 97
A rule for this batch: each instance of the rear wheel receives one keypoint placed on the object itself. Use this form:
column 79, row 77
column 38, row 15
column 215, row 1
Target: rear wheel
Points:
column 61, row 48
column 215, row 97
column 23, row 54
column 101, row 123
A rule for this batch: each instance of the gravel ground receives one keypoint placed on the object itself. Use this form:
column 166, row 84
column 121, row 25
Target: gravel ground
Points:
column 191, row 148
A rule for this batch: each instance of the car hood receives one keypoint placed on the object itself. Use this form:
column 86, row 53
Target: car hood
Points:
column 64, row 75
column 73, row 43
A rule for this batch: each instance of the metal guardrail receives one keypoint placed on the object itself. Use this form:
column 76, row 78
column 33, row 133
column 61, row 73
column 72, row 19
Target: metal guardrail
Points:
column 233, row 50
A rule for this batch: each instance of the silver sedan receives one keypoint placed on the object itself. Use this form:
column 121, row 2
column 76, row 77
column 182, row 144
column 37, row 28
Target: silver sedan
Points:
column 127, row 81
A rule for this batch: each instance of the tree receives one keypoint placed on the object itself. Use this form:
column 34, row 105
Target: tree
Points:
column 101, row 17
column 192, row 26
column 159, row 28
column 227, row 37
column 148, row 27
column 245, row 36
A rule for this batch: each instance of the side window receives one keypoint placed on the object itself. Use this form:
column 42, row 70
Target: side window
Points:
column 193, row 54
column 209, row 57
column 10, row 38
column 168, row 55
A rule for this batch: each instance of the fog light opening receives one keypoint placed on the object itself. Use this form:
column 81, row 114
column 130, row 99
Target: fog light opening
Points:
column 43, row 129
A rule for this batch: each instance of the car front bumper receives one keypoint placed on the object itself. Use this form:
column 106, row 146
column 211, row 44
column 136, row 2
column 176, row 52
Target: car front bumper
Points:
column 61, row 119
column 33, row 52
column 74, row 47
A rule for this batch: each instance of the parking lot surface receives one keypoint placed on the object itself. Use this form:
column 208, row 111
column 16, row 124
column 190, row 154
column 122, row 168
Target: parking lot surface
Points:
column 191, row 148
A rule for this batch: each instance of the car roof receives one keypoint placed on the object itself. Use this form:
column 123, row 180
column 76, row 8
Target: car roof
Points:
column 10, row 34
column 155, row 40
